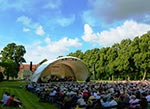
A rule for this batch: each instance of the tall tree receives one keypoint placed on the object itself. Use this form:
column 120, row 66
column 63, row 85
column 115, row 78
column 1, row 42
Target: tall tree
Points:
column 10, row 68
column 129, row 59
column 134, row 50
column 142, row 59
column 102, row 68
column 12, row 56
column 123, row 64
column 112, row 55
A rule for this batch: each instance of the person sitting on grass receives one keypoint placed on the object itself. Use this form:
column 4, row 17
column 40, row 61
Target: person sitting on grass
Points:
column 6, row 96
column 14, row 102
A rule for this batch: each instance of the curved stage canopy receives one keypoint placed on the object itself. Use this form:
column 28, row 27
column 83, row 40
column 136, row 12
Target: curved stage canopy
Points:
column 62, row 67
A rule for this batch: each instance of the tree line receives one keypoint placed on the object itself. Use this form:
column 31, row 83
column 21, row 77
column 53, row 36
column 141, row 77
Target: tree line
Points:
column 127, row 60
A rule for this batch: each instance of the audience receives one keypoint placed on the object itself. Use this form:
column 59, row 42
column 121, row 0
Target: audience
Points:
column 88, row 95
column 118, row 94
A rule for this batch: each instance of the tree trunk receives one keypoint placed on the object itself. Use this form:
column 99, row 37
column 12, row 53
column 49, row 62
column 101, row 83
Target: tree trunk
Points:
column 144, row 76
column 109, row 78
column 128, row 77
column 112, row 77
column 7, row 77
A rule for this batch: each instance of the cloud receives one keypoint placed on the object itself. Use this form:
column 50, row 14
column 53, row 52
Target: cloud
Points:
column 63, row 21
column 25, row 6
column 48, row 12
column 52, row 4
column 129, row 29
column 30, row 25
column 89, row 18
column 17, row 5
column 26, row 29
column 111, row 11
column 89, row 35
column 25, row 20
column 37, row 51
column 147, row 18
column 62, row 45
column 40, row 31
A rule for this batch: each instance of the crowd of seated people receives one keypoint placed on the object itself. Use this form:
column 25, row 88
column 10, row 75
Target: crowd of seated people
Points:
column 55, row 78
column 94, row 95
column 10, row 100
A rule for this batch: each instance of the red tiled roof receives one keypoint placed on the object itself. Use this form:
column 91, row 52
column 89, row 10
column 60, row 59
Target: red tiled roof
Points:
column 27, row 66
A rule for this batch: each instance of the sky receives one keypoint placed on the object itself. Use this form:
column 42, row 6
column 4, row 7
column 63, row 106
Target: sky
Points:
column 51, row 28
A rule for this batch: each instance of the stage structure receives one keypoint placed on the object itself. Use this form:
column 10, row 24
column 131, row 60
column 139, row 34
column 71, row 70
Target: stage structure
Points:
column 63, row 67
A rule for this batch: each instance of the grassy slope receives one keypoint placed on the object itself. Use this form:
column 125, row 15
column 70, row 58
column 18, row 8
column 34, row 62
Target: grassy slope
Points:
column 29, row 100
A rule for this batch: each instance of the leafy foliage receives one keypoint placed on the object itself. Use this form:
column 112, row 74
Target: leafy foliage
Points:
column 129, row 59
column 12, row 57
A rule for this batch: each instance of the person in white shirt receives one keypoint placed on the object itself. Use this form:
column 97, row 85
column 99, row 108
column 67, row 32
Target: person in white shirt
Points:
column 6, row 96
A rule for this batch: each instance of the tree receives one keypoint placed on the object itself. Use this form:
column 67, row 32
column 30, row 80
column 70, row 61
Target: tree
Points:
column 77, row 54
column 122, row 61
column 112, row 55
column 12, row 57
column 129, row 59
column 134, row 50
column 142, row 59
column 102, row 64
column 1, row 76
column 143, row 62
column 10, row 68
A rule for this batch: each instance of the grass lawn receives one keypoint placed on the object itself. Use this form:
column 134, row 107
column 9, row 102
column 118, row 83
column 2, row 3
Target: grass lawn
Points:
column 29, row 100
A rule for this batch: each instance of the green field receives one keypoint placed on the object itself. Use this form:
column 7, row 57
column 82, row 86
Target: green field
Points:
column 29, row 100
